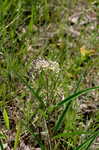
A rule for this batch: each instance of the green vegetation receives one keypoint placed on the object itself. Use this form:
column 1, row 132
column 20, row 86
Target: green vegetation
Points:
column 49, row 74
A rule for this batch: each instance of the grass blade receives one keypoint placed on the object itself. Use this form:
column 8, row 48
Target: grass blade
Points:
column 65, row 134
column 2, row 136
column 87, row 142
column 6, row 119
column 34, row 93
column 73, row 96
column 1, row 146
column 17, row 138
column 69, row 100
column 61, row 118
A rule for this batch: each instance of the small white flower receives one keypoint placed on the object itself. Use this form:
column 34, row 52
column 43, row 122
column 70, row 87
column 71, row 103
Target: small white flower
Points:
column 54, row 66
column 44, row 64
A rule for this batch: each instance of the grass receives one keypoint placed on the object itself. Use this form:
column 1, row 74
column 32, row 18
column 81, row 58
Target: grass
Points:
column 49, row 74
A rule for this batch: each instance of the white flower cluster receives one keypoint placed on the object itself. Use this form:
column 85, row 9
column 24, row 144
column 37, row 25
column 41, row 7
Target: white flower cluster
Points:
column 44, row 64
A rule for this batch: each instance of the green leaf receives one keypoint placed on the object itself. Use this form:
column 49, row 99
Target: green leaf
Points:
column 2, row 103
column 68, row 100
column 65, row 134
column 73, row 96
column 34, row 93
column 32, row 20
column 61, row 118
column 86, row 144
column 2, row 136
column 18, row 133
column 6, row 119
column 1, row 146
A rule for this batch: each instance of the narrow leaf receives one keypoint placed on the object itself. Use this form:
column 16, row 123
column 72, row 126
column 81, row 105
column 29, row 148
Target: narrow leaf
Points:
column 6, row 119
column 73, row 96
column 71, row 133
column 18, row 133
column 2, row 136
column 68, row 100
column 34, row 93
column 86, row 144
column 1, row 145
column 61, row 118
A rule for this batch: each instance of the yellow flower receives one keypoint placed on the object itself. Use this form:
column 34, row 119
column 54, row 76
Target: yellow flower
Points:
column 85, row 52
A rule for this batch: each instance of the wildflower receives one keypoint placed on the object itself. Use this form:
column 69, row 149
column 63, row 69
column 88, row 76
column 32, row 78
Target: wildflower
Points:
column 45, row 64
column 84, row 52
